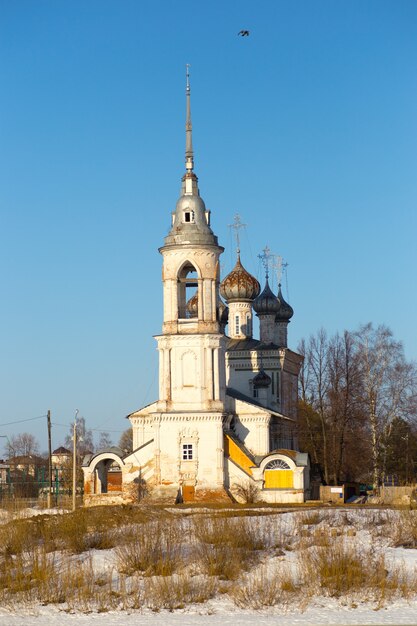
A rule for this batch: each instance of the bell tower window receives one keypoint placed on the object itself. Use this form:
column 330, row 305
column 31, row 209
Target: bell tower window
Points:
column 187, row 288
column 189, row 217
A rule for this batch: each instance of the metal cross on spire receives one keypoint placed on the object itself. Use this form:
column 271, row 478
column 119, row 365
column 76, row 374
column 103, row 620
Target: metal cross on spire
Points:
column 237, row 226
column 266, row 260
column 278, row 265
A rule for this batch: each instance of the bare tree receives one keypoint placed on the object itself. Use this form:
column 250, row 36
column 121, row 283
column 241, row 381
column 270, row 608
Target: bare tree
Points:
column 104, row 440
column 23, row 444
column 344, row 399
column 389, row 388
column 126, row 441
column 315, row 379
column 353, row 390
column 306, row 422
column 85, row 442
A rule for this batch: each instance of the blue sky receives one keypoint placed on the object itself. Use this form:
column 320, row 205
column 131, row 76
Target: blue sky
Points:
column 307, row 128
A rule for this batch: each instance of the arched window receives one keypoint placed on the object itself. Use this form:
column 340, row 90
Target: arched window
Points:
column 278, row 475
column 277, row 464
column 187, row 288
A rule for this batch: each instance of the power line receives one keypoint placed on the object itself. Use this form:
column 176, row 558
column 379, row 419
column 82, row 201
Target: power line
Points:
column 30, row 419
column 96, row 430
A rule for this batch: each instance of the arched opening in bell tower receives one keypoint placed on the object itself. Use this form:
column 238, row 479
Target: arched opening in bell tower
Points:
column 187, row 282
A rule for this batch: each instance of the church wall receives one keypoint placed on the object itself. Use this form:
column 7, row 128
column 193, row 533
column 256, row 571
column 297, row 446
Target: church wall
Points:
column 199, row 437
column 289, row 400
column 253, row 431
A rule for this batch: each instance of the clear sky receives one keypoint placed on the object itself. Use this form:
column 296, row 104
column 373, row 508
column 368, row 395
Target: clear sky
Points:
column 307, row 128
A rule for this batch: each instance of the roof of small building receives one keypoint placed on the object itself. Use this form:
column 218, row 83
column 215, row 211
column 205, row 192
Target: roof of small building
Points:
column 249, row 344
column 26, row 459
column 61, row 450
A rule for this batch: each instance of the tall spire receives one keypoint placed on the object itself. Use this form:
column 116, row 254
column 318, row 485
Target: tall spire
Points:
column 189, row 154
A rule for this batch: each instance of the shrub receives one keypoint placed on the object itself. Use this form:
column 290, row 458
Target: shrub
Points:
column 311, row 518
column 404, row 532
column 263, row 588
column 177, row 591
column 153, row 549
column 341, row 569
column 246, row 492
column 226, row 547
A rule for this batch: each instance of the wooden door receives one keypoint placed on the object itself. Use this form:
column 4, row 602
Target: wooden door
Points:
column 188, row 492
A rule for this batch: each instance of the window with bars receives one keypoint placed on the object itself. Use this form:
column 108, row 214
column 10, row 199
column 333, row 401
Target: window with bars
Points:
column 187, row 451
column 237, row 325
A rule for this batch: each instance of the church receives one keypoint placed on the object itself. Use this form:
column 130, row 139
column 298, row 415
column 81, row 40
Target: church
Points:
column 224, row 424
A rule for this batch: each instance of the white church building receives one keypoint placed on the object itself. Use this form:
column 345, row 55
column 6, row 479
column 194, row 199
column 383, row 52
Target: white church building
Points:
column 224, row 423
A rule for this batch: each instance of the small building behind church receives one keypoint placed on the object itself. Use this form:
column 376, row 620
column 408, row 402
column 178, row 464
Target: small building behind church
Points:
column 225, row 418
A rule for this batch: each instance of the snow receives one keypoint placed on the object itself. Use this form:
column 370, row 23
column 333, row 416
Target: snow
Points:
column 330, row 613
column 368, row 529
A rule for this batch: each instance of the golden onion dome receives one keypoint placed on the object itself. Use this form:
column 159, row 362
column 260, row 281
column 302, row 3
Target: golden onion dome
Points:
column 239, row 285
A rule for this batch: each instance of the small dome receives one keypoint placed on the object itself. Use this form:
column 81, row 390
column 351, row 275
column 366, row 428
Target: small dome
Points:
column 192, row 306
column 190, row 222
column 266, row 302
column 239, row 285
column 286, row 311
column 261, row 379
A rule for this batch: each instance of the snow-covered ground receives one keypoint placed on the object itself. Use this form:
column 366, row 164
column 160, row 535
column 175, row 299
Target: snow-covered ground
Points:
column 329, row 613
column 364, row 528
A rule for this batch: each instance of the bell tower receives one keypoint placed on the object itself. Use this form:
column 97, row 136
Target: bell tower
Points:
column 192, row 344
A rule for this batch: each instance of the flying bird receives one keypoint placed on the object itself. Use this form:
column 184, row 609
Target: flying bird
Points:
column 243, row 33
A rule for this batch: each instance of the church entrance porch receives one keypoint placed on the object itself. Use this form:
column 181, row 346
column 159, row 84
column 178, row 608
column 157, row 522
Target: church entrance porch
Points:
column 103, row 473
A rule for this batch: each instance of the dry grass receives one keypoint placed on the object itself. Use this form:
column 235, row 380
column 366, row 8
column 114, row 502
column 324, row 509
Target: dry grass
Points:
column 343, row 569
column 237, row 532
column 227, row 547
column 154, row 549
column 310, row 518
column 167, row 561
column 264, row 588
column 404, row 533
column 178, row 591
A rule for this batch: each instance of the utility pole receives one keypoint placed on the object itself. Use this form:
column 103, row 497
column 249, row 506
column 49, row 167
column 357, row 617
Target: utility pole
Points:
column 74, row 463
column 49, row 460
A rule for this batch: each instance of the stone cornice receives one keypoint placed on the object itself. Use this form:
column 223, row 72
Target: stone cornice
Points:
column 188, row 417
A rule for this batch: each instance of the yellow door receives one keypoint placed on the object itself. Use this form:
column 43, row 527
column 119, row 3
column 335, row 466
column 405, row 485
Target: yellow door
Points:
column 278, row 479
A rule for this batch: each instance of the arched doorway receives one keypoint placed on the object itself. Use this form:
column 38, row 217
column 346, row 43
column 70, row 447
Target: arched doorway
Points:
column 104, row 473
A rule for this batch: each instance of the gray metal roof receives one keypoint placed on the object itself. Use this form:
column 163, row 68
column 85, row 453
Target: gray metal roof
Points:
column 238, row 395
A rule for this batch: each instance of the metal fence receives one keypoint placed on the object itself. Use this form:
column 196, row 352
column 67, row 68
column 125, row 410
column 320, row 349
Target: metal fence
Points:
column 14, row 505
column 31, row 487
